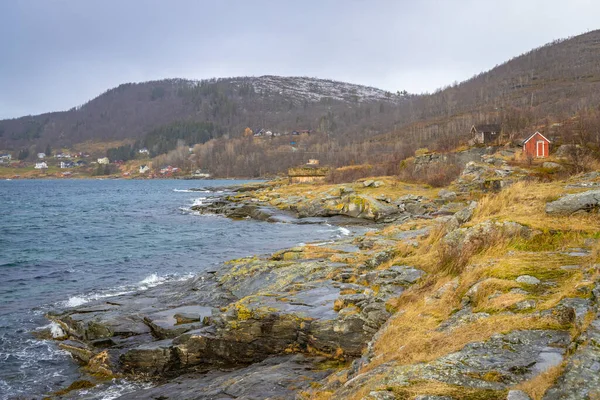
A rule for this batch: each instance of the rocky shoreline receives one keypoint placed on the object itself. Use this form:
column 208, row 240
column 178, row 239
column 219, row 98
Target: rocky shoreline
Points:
column 307, row 320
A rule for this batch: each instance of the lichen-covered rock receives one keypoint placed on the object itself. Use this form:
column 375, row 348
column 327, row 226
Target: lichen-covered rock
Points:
column 497, row 364
column 585, row 202
column 581, row 376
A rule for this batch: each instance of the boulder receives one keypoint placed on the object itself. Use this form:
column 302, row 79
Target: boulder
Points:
column 585, row 202
column 517, row 395
column 552, row 165
column 528, row 280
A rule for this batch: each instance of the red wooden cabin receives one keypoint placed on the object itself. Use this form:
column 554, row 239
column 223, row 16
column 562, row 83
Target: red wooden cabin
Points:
column 536, row 146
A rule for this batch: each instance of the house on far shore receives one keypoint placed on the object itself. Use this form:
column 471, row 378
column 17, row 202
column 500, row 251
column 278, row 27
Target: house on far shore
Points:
column 104, row 161
column 308, row 173
column 41, row 156
column 486, row 134
column 144, row 168
column 536, row 146
column 41, row 165
column 5, row 158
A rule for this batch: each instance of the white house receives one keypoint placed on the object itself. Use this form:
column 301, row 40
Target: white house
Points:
column 104, row 161
column 5, row 158
column 143, row 151
column 41, row 156
column 144, row 169
column 41, row 165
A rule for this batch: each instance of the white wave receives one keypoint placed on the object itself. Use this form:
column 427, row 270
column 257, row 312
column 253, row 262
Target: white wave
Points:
column 324, row 243
column 55, row 329
column 113, row 389
column 199, row 201
column 75, row 301
column 148, row 282
column 152, row 280
column 190, row 191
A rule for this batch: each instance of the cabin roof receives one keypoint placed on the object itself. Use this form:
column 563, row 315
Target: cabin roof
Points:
column 532, row 135
column 487, row 128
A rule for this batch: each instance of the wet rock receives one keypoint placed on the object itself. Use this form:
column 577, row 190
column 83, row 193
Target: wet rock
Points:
column 166, row 324
column 585, row 202
column 150, row 358
column 528, row 280
column 274, row 378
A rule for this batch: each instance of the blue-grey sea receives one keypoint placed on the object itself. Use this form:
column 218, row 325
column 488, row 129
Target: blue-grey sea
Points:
column 65, row 242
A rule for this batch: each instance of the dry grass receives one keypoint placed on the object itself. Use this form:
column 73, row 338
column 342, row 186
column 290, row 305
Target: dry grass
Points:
column 525, row 202
column 434, row 388
column 392, row 188
column 537, row 387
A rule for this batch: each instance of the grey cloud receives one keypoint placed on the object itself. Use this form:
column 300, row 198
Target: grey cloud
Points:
column 58, row 54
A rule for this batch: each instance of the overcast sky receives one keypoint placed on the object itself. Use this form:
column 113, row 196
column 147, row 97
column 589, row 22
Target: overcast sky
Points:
column 57, row 54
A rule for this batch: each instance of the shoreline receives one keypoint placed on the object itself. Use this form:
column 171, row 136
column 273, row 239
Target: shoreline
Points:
column 293, row 314
column 328, row 319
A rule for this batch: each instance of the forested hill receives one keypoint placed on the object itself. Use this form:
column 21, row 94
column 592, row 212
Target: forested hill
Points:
column 355, row 124
column 132, row 110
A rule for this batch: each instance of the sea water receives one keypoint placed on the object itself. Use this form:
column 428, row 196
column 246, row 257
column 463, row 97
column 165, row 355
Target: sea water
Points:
column 66, row 242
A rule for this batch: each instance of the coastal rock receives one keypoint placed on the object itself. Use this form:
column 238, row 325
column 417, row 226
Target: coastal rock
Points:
column 497, row 364
column 274, row 378
column 585, row 202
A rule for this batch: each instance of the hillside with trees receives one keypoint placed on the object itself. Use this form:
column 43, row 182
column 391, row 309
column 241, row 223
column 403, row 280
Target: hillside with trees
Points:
column 555, row 86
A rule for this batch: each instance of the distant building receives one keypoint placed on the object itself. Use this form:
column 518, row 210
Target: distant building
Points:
column 199, row 173
column 41, row 156
column 5, row 158
column 67, row 164
column 536, row 146
column 485, row 134
column 143, row 151
column 313, row 162
column 144, row 169
column 104, row 161
column 41, row 165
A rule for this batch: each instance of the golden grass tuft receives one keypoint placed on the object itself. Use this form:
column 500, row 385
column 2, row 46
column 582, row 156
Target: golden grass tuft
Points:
column 537, row 387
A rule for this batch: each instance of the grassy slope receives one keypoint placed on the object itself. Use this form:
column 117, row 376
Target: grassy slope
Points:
column 411, row 336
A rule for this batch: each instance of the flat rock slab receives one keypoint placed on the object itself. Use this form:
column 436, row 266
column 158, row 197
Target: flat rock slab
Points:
column 274, row 378
column 174, row 322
